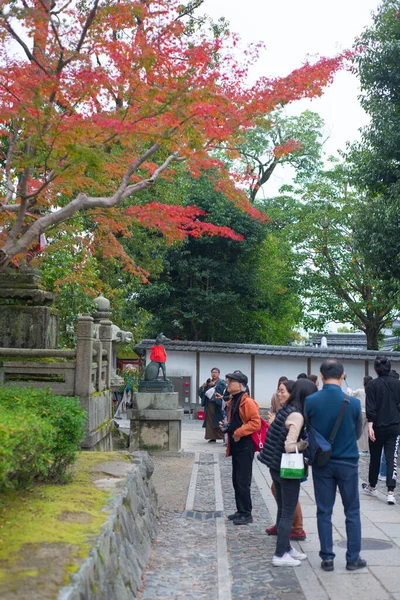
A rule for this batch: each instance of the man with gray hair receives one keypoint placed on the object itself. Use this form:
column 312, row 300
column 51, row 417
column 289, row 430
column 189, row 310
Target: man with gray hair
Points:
column 243, row 420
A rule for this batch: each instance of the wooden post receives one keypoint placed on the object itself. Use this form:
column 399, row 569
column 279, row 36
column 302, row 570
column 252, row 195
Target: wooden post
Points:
column 308, row 366
column 252, row 376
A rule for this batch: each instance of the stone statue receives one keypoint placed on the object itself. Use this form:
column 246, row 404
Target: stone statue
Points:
column 158, row 356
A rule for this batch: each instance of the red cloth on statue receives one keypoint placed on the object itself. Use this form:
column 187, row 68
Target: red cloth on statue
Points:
column 158, row 354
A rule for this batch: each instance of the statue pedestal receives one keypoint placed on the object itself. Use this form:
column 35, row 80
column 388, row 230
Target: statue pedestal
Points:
column 155, row 422
column 157, row 385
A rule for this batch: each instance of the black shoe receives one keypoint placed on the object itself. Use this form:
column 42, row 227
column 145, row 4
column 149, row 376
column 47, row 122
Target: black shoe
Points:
column 233, row 516
column 327, row 565
column 357, row 564
column 210, row 441
column 242, row 520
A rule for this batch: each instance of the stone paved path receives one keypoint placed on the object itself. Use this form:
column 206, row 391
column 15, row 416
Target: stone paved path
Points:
column 199, row 554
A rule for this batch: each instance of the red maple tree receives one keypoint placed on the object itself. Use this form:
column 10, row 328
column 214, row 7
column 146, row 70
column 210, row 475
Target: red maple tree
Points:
column 99, row 99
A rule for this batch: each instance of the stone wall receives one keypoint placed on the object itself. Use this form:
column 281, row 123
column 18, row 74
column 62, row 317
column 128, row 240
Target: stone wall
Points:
column 114, row 566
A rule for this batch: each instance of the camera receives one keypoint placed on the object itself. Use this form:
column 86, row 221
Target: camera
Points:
column 225, row 427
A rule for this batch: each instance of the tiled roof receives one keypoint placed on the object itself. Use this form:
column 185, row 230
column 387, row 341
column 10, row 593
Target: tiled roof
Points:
column 341, row 340
column 260, row 349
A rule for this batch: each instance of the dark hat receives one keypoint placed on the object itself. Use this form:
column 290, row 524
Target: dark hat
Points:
column 238, row 376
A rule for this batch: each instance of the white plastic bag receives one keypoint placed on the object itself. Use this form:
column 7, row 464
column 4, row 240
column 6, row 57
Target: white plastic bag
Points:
column 210, row 393
column 292, row 465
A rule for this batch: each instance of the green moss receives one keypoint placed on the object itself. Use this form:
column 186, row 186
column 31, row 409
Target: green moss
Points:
column 26, row 359
column 105, row 424
column 151, row 448
column 34, row 517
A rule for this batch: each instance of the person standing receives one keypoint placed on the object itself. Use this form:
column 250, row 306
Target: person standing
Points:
column 383, row 416
column 243, row 420
column 285, row 435
column 275, row 404
column 359, row 393
column 321, row 411
column 211, row 393
column 285, row 388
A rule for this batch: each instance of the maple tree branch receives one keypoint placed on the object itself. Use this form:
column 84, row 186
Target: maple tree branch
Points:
column 3, row 85
column 82, row 202
column 60, row 10
column 88, row 23
column 190, row 9
column 131, row 189
column 25, row 48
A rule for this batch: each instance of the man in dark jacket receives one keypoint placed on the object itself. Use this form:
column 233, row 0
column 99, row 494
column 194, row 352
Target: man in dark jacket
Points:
column 382, row 407
column 211, row 393
column 321, row 411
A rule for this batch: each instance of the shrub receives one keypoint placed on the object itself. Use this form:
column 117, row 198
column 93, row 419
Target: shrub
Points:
column 63, row 414
column 26, row 442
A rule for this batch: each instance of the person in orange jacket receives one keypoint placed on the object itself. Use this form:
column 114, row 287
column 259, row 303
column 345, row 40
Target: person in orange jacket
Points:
column 243, row 420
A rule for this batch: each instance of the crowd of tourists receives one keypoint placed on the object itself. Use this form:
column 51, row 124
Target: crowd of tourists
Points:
column 306, row 425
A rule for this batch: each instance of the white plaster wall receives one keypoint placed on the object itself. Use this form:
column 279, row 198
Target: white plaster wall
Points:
column 268, row 369
column 225, row 362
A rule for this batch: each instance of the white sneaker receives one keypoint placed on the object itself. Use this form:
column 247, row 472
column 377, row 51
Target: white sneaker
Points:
column 368, row 490
column 297, row 555
column 285, row 561
column 391, row 499
column 382, row 477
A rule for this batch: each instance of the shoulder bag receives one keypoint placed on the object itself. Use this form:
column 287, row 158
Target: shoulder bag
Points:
column 320, row 449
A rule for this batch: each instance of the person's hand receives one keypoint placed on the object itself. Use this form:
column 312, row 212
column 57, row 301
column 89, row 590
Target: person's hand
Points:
column 271, row 417
column 217, row 396
column 371, row 432
column 235, row 437
column 221, row 424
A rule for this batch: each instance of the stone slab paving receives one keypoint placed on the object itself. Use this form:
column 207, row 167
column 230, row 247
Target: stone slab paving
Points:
column 200, row 554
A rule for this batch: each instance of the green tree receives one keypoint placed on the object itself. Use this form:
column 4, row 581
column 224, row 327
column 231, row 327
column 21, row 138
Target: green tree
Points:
column 337, row 282
column 221, row 290
column 280, row 140
column 375, row 160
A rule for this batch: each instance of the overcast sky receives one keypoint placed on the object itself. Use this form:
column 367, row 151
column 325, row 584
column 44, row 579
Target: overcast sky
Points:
column 293, row 30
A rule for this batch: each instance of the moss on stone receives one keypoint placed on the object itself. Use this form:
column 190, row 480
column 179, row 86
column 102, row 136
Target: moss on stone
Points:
column 33, row 520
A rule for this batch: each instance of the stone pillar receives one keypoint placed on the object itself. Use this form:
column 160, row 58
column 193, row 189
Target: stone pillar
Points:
column 105, row 335
column 27, row 319
column 84, row 357
column 155, row 421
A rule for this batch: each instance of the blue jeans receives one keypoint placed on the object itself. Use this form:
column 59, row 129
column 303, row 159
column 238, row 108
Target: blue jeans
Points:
column 326, row 479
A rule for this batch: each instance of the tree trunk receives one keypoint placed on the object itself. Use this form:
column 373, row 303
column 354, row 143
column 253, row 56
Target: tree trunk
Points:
column 372, row 333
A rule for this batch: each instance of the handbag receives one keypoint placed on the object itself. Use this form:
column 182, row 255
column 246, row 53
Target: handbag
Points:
column 292, row 465
column 319, row 448
column 259, row 436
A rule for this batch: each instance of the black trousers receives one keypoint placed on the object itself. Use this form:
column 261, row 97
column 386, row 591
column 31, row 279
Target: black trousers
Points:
column 287, row 496
column 242, row 453
column 387, row 439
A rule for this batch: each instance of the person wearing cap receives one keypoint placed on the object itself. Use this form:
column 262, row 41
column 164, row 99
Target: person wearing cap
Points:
column 243, row 420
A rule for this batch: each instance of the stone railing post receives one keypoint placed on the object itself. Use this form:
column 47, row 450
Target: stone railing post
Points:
column 84, row 357
column 105, row 336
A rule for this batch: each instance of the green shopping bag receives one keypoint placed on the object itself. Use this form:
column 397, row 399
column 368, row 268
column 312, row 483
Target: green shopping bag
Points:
column 292, row 465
